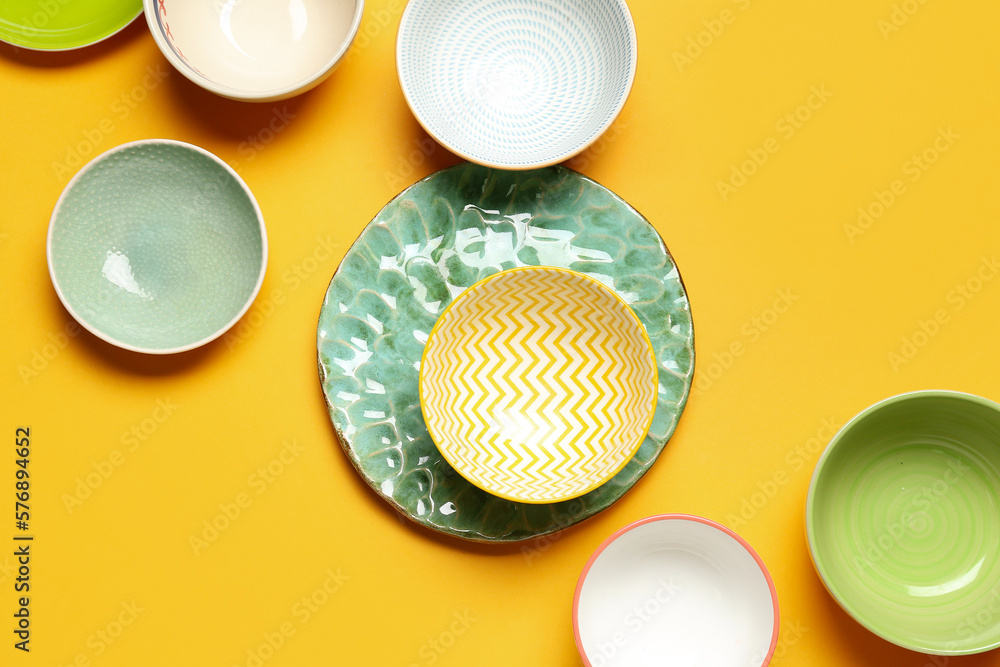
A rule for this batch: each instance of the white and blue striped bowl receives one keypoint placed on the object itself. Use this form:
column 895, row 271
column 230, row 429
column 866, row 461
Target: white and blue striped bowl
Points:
column 516, row 84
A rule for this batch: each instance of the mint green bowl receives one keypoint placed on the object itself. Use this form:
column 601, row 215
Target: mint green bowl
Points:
column 157, row 246
column 903, row 521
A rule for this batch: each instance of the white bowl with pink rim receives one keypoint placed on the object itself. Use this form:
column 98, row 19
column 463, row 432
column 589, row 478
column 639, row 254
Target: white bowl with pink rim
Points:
column 679, row 590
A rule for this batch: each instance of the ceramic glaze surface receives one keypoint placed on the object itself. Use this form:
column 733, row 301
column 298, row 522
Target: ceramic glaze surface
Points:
column 63, row 24
column 675, row 590
column 254, row 49
column 157, row 246
column 538, row 384
column 516, row 84
column 422, row 250
column 903, row 519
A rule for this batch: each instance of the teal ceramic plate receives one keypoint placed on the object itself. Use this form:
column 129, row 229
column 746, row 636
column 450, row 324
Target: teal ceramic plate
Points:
column 903, row 520
column 57, row 25
column 424, row 248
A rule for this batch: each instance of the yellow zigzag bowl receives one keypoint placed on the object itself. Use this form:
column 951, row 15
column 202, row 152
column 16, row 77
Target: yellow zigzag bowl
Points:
column 538, row 384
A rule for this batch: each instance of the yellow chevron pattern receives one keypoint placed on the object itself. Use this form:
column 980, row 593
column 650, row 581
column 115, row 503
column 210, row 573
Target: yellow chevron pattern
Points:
column 538, row 384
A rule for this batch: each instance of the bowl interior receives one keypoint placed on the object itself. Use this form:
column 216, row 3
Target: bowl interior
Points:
column 516, row 83
column 538, row 384
column 675, row 590
column 156, row 246
column 904, row 521
column 256, row 46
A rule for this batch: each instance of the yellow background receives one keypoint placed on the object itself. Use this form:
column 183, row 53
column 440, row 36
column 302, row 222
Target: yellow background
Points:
column 348, row 147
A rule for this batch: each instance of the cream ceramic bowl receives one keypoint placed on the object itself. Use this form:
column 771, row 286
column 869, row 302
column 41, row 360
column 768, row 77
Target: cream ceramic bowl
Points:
column 538, row 384
column 254, row 50
column 516, row 84
column 675, row 589
column 157, row 246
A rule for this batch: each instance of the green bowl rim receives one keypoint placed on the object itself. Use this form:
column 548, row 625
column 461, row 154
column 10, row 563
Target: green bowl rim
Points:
column 19, row 42
column 810, row 500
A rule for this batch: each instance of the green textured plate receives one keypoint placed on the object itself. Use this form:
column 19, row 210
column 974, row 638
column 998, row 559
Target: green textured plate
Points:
column 903, row 520
column 424, row 248
column 57, row 25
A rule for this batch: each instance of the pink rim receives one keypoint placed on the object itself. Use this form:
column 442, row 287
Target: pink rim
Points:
column 673, row 517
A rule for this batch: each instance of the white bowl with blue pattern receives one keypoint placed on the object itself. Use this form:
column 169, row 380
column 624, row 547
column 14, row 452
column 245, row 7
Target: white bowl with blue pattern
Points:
column 516, row 84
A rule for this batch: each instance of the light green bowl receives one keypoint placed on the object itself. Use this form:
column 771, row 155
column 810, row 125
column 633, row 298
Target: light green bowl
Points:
column 903, row 521
column 157, row 246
